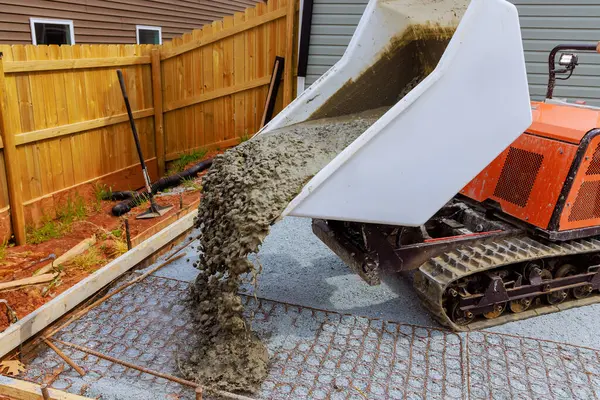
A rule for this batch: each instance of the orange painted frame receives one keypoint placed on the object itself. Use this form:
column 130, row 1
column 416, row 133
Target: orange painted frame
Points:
column 580, row 178
column 558, row 158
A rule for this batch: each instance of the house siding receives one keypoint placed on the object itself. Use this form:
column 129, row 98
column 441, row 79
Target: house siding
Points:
column 333, row 24
column 544, row 24
column 111, row 22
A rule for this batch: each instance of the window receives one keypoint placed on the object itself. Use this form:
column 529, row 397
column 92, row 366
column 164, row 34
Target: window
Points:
column 148, row 34
column 51, row 31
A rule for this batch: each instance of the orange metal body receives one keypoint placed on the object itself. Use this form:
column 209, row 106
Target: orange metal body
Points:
column 550, row 176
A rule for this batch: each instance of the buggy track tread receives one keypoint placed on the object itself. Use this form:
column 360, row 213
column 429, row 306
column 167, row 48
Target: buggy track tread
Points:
column 433, row 277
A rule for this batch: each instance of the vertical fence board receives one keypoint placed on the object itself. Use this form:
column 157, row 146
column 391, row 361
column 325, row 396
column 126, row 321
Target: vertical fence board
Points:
column 239, row 100
column 249, row 60
column 228, row 81
column 158, row 111
column 208, row 85
column 7, row 127
column 187, row 134
column 197, row 90
column 217, row 70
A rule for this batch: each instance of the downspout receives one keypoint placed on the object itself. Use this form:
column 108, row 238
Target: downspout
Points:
column 306, row 12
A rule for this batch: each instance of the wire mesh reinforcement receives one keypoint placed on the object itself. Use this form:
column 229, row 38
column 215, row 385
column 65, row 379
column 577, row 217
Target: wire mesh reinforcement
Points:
column 315, row 354
column 510, row 367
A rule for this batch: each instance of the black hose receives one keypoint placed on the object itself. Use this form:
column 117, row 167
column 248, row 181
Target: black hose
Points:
column 134, row 198
column 128, row 194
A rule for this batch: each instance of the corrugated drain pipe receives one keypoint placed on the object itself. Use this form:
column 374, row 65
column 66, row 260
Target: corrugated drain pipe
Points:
column 131, row 199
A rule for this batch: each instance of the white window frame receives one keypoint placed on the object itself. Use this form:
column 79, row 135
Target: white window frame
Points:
column 33, row 21
column 148, row 28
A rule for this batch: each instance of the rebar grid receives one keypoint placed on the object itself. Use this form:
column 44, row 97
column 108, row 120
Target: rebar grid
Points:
column 315, row 353
column 510, row 367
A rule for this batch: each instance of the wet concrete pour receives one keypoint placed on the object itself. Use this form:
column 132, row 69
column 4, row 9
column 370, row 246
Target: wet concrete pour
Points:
column 314, row 353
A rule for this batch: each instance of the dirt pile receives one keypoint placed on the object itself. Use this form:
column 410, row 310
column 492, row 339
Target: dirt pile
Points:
column 245, row 191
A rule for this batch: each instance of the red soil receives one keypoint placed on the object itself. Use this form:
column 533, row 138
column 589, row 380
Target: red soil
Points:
column 21, row 261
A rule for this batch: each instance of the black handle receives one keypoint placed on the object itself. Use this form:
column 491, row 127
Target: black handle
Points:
column 122, row 83
column 134, row 129
column 552, row 62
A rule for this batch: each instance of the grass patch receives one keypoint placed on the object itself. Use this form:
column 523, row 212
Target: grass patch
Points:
column 49, row 230
column 88, row 260
column 101, row 192
column 244, row 138
column 3, row 247
column 117, row 233
column 119, row 247
column 73, row 210
column 190, row 183
column 141, row 201
column 114, row 248
column 180, row 164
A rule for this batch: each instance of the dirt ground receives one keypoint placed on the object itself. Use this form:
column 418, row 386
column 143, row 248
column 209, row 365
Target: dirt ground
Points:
column 21, row 262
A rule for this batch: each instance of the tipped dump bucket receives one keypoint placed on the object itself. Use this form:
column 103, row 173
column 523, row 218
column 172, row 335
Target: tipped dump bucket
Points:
column 454, row 77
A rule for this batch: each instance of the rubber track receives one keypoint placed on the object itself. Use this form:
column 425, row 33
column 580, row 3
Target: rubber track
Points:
column 433, row 277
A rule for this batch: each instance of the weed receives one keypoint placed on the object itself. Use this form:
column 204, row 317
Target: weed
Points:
column 190, row 183
column 117, row 233
column 244, row 138
column 56, row 282
column 114, row 248
column 180, row 164
column 119, row 247
column 3, row 247
column 72, row 211
column 49, row 230
column 101, row 192
column 140, row 201
column 87, row 260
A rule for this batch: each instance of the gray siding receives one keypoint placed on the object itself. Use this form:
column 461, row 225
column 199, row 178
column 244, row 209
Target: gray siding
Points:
column 333, row 24
column 546, row 23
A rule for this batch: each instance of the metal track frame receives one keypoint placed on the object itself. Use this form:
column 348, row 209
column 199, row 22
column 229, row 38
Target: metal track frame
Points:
column 436, row 275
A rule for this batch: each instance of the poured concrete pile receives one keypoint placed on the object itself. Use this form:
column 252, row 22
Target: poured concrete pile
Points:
column 245, row 191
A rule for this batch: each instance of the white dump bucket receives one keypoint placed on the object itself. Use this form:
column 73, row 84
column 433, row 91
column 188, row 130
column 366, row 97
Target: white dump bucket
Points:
column 439, row 135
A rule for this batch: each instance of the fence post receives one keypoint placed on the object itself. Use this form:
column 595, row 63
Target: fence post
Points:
column 159, row 132
column 17, row 214
column 288, row 78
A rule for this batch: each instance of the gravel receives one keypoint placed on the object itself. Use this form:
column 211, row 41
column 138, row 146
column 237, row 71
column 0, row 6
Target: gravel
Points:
column 299, row 269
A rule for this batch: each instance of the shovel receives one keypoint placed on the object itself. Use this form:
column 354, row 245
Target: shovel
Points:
column 155, row 210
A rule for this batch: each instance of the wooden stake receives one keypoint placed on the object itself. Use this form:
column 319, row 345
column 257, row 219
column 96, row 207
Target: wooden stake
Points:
column 199, row 393
column 69, row 255
column 11, row 161
column 34, row 280
column 159, row 132
column 288, row 80
column 65, row 357
column 127, row 234
column 45, row 393
column 22, row 390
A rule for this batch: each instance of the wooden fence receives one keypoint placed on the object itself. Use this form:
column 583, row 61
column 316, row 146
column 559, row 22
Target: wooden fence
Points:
column 64, row 125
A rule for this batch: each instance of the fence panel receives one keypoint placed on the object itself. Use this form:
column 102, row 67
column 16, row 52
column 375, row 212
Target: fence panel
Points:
column 67, row 124
column 67, row 116
column 215, row 79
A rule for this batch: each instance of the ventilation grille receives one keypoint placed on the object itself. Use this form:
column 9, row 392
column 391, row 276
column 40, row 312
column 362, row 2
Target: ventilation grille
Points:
column 518, row 176
column 594, row 167
column 587, row 203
